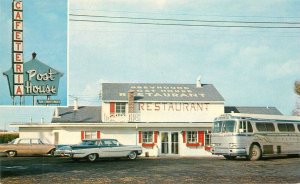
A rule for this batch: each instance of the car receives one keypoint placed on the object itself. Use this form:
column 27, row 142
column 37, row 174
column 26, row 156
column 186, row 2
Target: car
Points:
column 27, row 146
column 92, row 149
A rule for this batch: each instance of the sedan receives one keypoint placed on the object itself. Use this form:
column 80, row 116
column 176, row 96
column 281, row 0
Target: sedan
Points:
column 91, row 149
column 27, row 146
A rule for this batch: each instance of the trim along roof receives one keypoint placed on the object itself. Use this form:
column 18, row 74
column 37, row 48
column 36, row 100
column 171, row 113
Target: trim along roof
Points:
column 150, row 92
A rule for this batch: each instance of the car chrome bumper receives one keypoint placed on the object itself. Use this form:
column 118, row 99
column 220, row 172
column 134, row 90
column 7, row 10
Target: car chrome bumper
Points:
column 62, row 153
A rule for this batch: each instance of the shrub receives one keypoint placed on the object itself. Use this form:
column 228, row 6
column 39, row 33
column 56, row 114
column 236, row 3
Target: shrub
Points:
column 7, row 137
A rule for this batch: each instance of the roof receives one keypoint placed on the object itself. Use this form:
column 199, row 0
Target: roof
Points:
column 160, row 92
column 253, row 110
column 84, row 114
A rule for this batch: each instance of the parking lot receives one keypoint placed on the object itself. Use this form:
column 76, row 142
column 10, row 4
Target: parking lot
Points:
column 149, row 170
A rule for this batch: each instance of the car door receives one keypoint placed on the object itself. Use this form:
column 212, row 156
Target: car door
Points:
column 37, row 147
column 118, row 150
column 24, row 147
column 103, row 148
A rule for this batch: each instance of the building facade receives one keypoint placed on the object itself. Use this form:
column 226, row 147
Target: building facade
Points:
column 165, row 119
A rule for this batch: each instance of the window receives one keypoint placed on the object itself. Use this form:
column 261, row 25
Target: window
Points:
column 250, row 129
column 245, row 126
column 286, row 127
column 192, row 136
column 35, row 141
column 120, row 107
column 265, row 127
column 228, row 126
column 90, row 135
column 217, row 126
column 299, row 127
column 224, row 126
column 207, row 137
column 88, row 143
column 148, row 137
column 24, row 141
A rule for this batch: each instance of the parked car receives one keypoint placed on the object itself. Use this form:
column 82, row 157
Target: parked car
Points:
column 26, row 146
column 91, row 149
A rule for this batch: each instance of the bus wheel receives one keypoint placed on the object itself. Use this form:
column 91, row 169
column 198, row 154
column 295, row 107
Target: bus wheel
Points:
column 255, row 153
column 229, row 157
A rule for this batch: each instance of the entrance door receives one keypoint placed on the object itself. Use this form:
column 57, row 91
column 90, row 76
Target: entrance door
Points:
column 169, row 143
column 164, row 143
column 174, row 142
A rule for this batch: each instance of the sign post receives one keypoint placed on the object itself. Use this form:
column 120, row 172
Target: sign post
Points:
column 17, row 49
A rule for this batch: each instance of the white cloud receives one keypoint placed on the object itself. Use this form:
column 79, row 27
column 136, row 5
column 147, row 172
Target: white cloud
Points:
column 281, row 70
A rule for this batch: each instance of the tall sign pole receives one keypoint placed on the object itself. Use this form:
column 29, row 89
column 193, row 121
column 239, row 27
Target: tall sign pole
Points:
column 17, row 49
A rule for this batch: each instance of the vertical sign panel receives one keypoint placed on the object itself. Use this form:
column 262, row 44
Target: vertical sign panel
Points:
column 17, row 47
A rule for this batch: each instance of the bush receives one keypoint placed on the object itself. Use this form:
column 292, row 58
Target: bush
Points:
column 7, row 137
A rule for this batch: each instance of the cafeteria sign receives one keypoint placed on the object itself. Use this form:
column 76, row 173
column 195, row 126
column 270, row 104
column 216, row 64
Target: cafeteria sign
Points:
column 39, row 79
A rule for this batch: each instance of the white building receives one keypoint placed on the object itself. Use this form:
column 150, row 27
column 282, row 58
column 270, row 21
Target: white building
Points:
column 165, row 119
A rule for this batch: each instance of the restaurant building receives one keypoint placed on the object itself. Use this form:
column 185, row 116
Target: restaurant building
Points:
column 165, row 119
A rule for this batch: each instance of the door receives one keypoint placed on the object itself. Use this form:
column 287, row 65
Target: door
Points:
column 169, row 143
column 174, row 142
column 164, row 143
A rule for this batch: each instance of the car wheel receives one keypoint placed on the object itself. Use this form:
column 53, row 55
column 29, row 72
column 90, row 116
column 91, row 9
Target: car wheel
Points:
column 52, row 152
column 11, row 153
column 132, row 155
column 255, row 153
column 92, row 157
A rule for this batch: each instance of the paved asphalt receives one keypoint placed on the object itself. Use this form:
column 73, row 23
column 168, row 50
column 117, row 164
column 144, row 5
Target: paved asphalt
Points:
column 149, row 170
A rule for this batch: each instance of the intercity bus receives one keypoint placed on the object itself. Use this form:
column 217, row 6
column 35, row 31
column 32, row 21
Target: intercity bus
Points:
column 254, row 136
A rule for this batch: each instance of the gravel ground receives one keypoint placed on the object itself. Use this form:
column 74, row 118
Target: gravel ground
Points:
column 150, row 170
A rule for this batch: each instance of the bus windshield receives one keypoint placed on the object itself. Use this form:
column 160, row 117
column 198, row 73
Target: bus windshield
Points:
column 223, row 126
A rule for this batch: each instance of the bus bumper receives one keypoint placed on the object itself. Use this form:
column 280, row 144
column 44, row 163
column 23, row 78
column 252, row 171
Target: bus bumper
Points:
column 229, row 151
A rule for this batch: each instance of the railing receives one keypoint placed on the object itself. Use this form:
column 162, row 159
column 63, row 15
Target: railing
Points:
column 120, row 117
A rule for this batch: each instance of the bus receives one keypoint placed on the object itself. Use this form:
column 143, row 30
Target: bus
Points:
column 255, row 135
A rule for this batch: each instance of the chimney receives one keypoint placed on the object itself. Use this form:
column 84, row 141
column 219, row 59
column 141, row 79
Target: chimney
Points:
column 33, row 55
column 56, row 113
column 75, row 104
column 198, row 82
column 130, row 101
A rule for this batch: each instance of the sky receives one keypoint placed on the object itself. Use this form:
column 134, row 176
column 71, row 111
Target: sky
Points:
column 248, row 66
column 44, row 32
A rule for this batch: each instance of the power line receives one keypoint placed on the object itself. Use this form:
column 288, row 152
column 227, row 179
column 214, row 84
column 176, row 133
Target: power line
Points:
column 186, row 25
column 184, row 20
column 187, row 14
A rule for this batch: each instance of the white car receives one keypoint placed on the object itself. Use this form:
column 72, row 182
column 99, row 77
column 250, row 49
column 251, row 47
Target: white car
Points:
column 99, row 148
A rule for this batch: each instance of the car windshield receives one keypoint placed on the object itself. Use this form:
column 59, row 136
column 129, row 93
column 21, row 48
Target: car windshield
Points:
column 88, row 142
column 13, row 141
column 224, row 126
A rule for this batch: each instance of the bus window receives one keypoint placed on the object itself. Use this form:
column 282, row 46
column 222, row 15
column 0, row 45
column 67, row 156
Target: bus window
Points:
column 242, row 127
column 290, row 127
column 282, row 127
column 250, row 129
column 265, row 127
column 217, row 126
column 286, row 127
column 270, row 127
column 228, row 126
